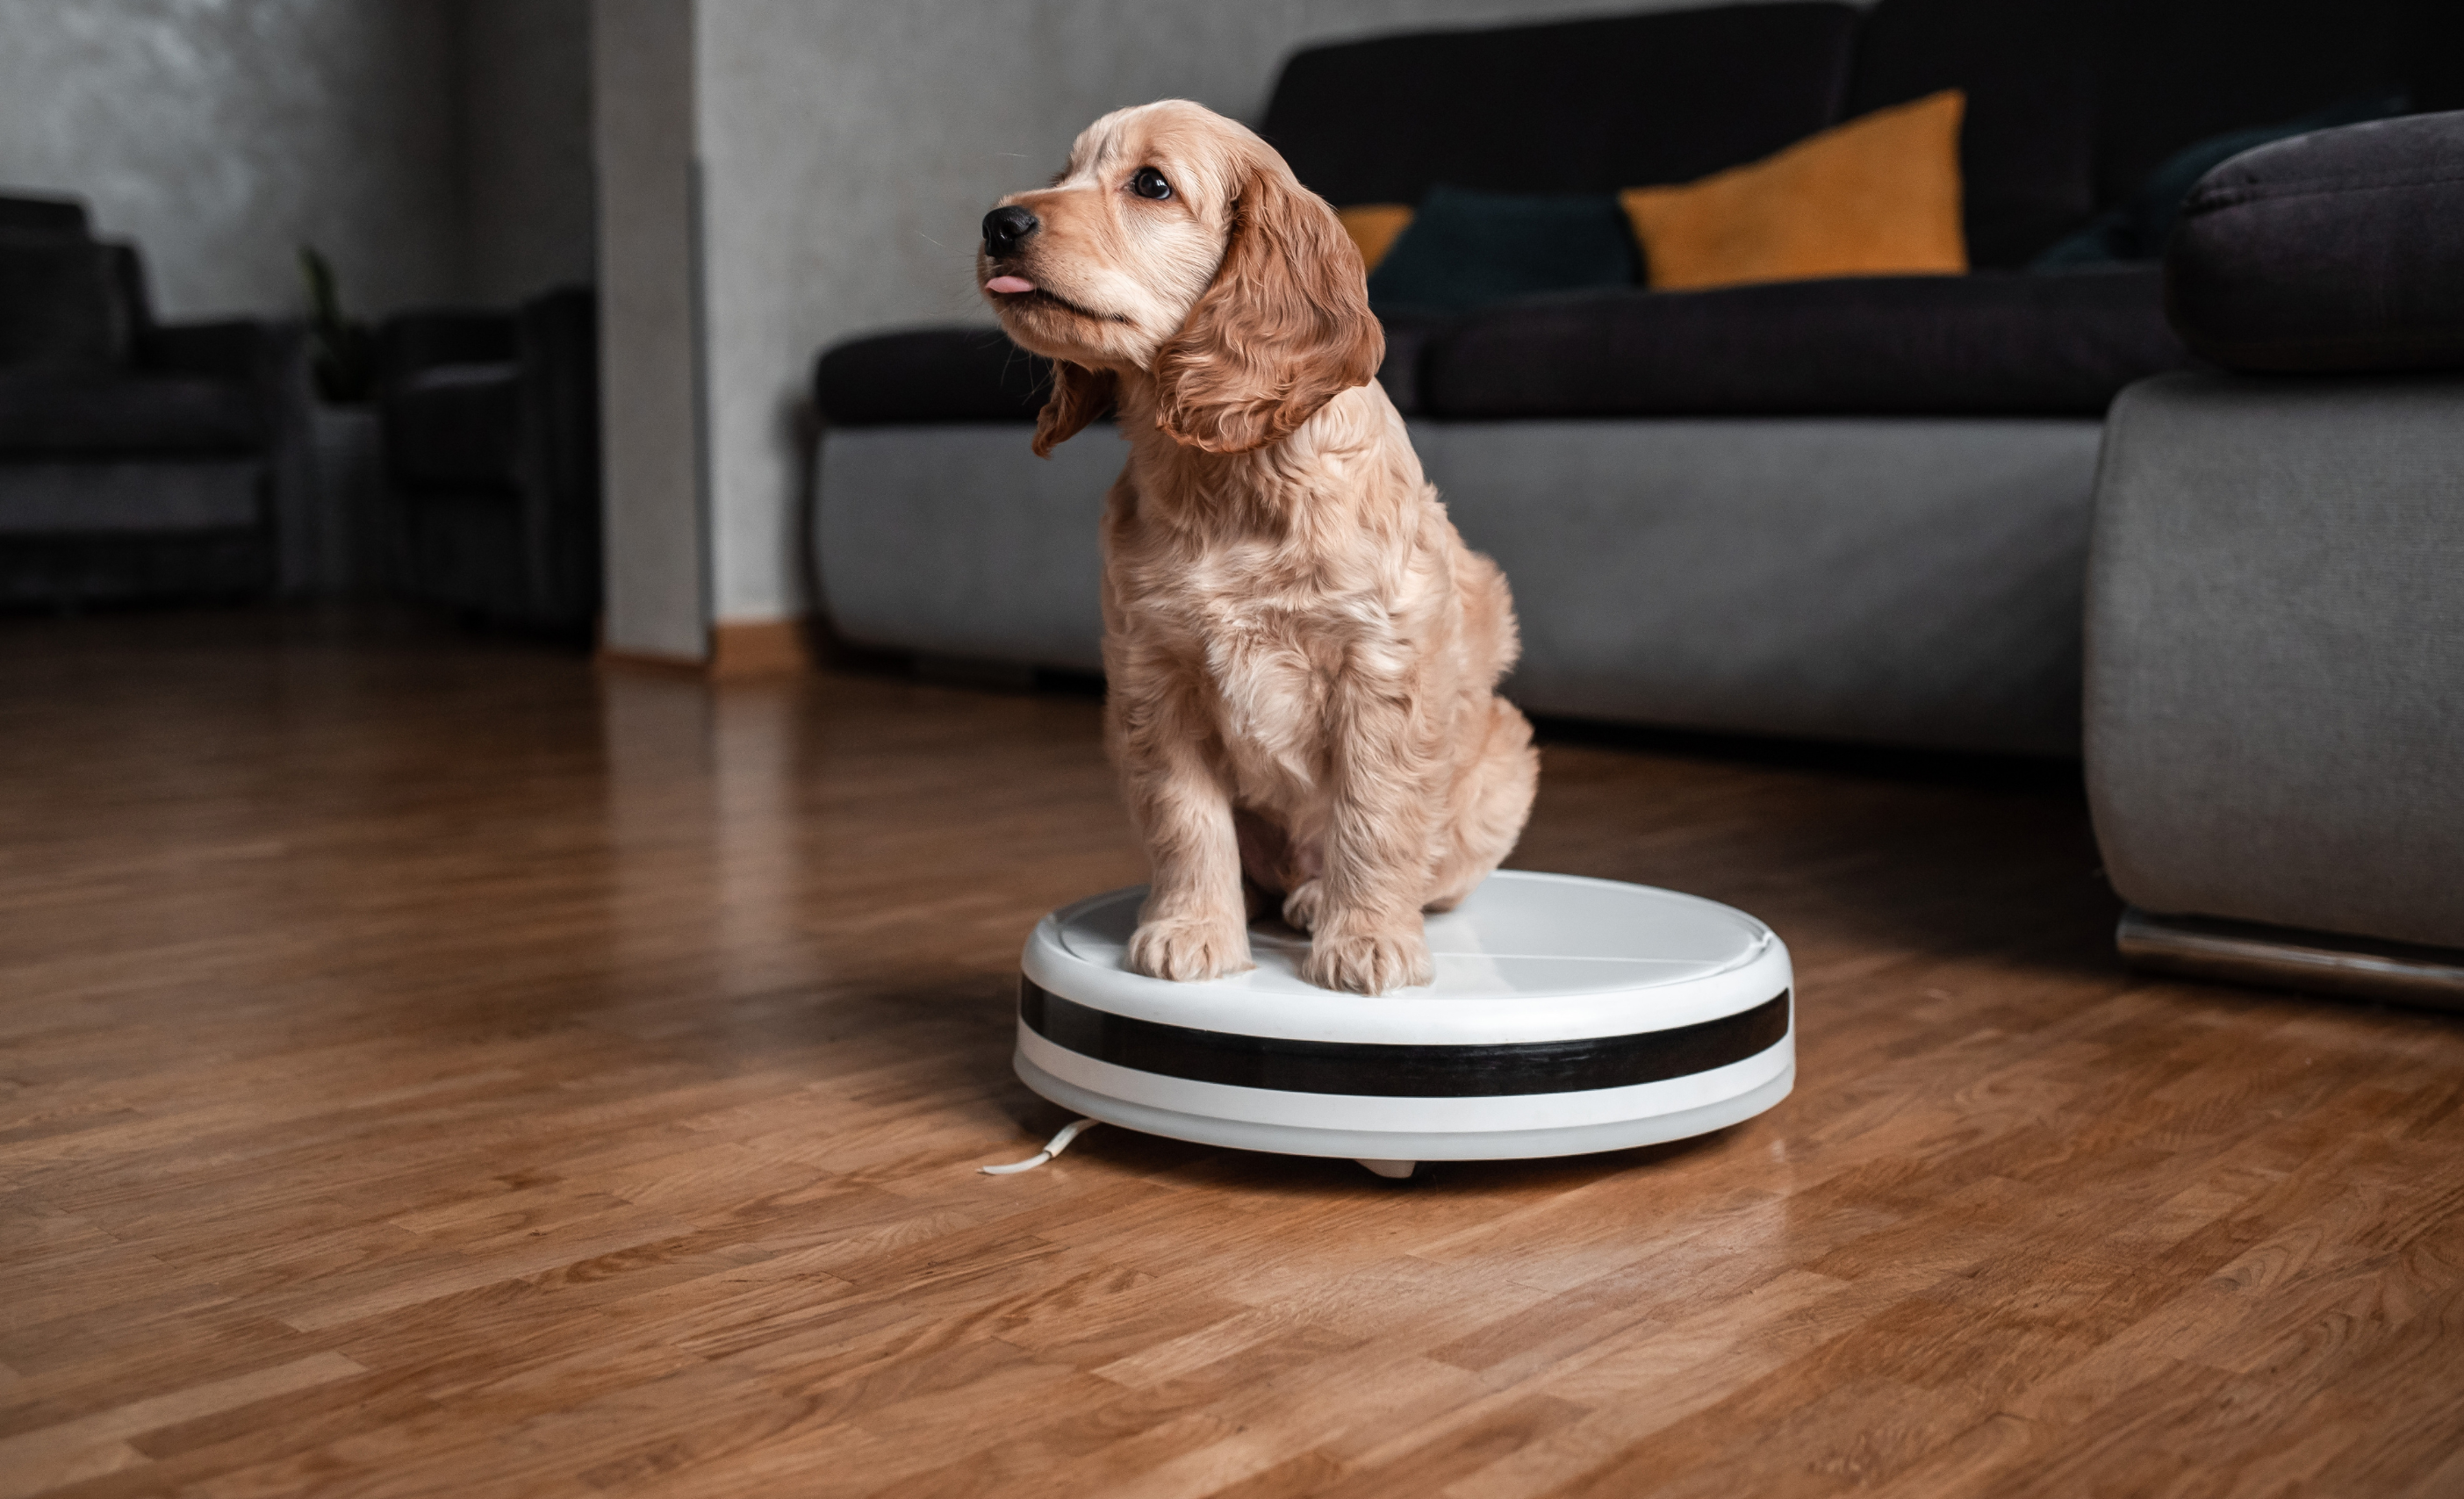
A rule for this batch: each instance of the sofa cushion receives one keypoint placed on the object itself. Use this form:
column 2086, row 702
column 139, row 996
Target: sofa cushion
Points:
column 1408, row 337
column 2027, row 144
column 103, row 412
column 1465, row 249
column 63, row 302
column 2137, row 227
column 1876, row 196
column 2000, row 342
column 456, row 425
column 974, row 374
column 2338, row 251
column 1373, row 228
column 2072, row 106
column 2177, row 71
column 930, row 375
column 1575, row 106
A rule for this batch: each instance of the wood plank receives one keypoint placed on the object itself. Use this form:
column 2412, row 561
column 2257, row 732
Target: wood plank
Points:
column 49, row 1457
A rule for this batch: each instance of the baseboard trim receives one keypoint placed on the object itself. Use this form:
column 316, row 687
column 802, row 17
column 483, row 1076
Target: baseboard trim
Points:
column 2281, row 958
column 740, row 651
column 753, row 648
column 657, row 663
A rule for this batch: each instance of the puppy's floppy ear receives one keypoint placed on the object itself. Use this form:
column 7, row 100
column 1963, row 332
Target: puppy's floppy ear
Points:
column 1284, row 328
column 1079, row 396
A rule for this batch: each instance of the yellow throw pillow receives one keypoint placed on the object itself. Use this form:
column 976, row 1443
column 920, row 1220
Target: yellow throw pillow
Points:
column 1876, row 196
column 1373, row 228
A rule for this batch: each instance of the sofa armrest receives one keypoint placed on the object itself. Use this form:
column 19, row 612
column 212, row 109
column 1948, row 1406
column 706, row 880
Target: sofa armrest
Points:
column 557, row 337
column 2339, row 251
column 557, row 340
column 287, row 389
column 2274, row 685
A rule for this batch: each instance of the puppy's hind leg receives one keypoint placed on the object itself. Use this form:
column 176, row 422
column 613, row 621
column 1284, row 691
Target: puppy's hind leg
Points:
column 1489, row 803
column 1292, row 877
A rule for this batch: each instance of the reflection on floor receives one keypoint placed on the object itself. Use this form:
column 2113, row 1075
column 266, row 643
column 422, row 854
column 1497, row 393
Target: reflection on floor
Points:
column 431, row 1065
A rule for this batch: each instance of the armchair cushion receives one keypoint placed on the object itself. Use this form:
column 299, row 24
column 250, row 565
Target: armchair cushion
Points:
column 414, row 340
column 457, row 425
column 2340, row 249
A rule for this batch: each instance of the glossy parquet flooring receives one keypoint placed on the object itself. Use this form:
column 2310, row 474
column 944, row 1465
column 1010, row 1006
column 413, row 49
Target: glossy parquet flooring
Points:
column 431, row 1068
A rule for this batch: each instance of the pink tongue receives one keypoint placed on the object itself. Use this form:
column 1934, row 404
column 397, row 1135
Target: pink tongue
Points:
column 1009, row 283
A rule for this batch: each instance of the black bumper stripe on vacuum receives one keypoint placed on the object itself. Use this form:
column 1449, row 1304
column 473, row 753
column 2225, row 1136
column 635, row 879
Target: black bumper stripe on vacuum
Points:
column 1401, row 1072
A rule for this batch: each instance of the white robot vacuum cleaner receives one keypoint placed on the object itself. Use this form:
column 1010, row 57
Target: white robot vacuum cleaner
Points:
column 1568, row 1014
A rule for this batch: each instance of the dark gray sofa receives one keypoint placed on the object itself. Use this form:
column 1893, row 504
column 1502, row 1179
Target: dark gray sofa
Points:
column 140, row 459
column 1852, row 509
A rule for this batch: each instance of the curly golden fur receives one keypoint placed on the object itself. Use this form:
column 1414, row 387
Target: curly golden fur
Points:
column 1302, row 655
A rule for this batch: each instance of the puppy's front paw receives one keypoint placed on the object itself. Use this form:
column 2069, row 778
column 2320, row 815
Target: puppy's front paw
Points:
column 1369, row 963
column 1189, row 949
column 1302, row 906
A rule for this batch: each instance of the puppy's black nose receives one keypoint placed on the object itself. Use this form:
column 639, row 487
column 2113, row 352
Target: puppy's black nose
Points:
column 1005, row 228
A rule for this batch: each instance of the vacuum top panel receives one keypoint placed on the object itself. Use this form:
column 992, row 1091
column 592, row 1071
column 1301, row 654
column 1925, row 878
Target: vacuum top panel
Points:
column 1527, row 957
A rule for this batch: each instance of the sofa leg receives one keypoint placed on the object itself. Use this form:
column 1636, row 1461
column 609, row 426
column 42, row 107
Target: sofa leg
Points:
column 2281, row 958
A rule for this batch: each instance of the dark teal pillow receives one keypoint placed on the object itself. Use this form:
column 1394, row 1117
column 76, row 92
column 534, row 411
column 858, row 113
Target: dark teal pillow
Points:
column 1467, row 249
column 2137, row 228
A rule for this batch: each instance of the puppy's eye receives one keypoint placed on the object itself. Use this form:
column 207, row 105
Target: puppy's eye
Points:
column 1147, row 183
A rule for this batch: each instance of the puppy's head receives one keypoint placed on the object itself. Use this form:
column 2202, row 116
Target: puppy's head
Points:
column 1178, row 243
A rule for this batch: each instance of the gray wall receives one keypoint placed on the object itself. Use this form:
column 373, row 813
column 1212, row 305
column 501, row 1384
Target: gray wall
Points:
column 435, row 150
column 221, row 137
column 849, row 148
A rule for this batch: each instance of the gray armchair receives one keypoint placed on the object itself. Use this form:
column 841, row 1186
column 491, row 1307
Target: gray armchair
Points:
column 2274, row 690
column 140, row 459
column 491, row 430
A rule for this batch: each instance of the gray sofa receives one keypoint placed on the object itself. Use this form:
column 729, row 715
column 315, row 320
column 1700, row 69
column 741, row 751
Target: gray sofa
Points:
column 140, row 459
column 1846, row 510
column 490, row 424
column 1889, row 580
column 2274, row 690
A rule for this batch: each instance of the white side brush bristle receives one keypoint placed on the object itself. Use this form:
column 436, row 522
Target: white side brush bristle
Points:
column 1060, row 1142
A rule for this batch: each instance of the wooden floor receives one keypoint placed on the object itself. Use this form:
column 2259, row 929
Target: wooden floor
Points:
column 431, row 1068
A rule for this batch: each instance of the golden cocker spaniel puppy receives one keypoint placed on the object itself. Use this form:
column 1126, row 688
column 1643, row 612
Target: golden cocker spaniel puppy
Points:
column 1302, row 655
